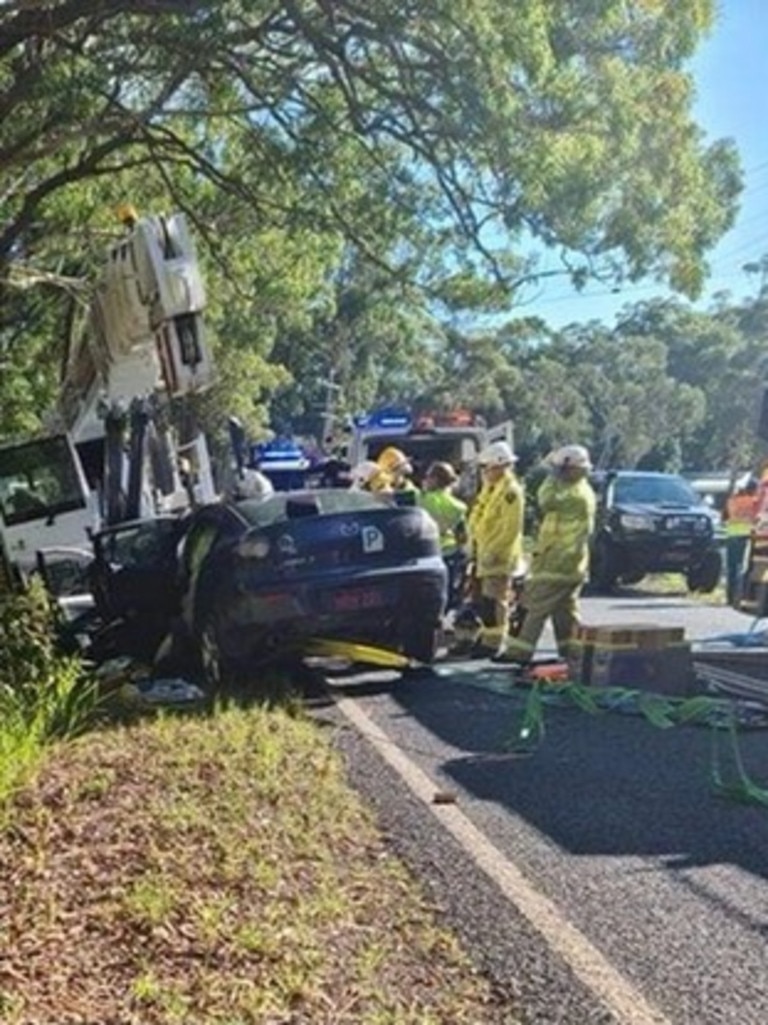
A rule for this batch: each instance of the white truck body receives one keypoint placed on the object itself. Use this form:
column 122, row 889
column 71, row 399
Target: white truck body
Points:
column 142, row 339
column 45, row 501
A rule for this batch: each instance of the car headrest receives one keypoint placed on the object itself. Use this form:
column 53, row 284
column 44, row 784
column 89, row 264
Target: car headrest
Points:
column 296, row 508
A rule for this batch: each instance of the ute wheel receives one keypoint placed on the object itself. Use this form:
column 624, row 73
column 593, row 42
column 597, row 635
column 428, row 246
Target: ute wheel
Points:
column 705, row 575
column 603, row 573
column 419, row 641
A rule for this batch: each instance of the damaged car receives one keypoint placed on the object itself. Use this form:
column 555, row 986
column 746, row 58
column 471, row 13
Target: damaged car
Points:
column 240, row 582
column 262, row 576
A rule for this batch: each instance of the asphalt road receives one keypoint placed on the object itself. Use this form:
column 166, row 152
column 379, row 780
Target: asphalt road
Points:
column 645, row 874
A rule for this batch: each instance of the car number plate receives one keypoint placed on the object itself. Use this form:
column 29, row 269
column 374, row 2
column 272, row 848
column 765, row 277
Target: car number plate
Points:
column 357, row 600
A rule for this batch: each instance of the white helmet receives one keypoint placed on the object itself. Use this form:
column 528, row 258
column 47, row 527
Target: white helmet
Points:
column 363, row 474
column 571, row 455
column 253, row 484
column 498, row 453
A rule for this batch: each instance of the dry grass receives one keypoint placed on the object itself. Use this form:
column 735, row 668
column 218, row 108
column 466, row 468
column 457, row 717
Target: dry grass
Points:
column 215, row 871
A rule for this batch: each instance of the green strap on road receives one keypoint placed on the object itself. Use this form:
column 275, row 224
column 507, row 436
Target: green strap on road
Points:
column 742, row 788
column 660, row 711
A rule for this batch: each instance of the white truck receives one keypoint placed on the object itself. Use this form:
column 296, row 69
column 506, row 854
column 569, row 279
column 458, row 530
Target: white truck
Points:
column 457, row 437
column 116, row 453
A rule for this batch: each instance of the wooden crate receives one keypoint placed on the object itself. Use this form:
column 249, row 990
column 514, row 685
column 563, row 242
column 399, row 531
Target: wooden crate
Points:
column 635, row 656
column 630, row 635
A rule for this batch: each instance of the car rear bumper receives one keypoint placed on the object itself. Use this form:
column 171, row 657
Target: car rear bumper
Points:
column 367, row 606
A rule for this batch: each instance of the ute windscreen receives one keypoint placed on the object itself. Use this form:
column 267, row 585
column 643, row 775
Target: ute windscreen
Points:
column 661, row 490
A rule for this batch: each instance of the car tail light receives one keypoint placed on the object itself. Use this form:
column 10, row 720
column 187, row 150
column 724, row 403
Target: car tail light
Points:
column 253, row 548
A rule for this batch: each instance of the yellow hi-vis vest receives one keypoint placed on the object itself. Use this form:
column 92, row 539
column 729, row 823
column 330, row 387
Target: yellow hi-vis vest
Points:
column 740, row 513
column 448, row 512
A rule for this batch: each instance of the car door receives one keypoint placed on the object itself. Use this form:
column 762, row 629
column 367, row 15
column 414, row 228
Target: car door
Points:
column 210, row 528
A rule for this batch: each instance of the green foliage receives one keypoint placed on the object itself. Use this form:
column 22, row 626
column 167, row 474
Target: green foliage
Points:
column 354, row 176
column 720, row 354
column 27, row 640
column 43, row 696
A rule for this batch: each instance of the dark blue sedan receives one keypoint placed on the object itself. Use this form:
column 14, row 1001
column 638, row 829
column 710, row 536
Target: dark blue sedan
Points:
column 262, row 576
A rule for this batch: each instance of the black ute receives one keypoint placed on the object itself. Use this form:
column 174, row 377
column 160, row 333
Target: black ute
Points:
column 653, row 523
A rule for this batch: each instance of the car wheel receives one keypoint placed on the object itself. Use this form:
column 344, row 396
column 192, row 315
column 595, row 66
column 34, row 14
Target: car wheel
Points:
column 419, row 641
column 603, row 574
column 632, row 578
column 211, row 661
column 221, row 673
column 705, row 575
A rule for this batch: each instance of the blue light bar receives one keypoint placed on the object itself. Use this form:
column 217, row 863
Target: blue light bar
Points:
column 280, row 454
column 385, row 419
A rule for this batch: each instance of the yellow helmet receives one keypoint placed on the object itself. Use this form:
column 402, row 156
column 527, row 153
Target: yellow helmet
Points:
column 369, row 476
column 127, row 214
column 393, row 460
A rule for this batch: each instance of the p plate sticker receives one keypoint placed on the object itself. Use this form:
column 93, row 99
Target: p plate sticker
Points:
column 373, row 539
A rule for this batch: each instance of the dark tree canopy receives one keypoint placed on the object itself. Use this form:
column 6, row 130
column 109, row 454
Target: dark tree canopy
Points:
column 359, row 173
column 476, row 125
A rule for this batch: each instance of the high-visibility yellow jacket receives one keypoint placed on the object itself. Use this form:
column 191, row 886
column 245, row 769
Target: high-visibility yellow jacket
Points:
column 450, row 515
column 740, row 511
column 561, row 551
column 496, row 527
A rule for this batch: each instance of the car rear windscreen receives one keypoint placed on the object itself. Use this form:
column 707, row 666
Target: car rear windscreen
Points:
column 285, row 505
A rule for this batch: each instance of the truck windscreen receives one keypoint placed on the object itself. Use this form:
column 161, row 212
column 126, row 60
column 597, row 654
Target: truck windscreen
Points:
column 38, row 480
column 423, row 449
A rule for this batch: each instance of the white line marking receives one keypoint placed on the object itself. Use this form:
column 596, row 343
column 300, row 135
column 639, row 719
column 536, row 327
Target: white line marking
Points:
column 615, row 991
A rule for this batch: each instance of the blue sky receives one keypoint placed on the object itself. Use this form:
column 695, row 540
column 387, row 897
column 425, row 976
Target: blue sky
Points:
column 731, row 74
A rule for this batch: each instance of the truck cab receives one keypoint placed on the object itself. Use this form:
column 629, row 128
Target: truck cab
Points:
column 45, row 501
column 456, row 437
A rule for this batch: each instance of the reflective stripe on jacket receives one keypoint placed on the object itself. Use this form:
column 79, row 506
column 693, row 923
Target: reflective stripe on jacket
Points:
column 496, row 527
column 562, row 545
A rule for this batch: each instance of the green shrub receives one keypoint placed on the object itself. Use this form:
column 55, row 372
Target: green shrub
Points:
column 43, row 696
column 27, row 639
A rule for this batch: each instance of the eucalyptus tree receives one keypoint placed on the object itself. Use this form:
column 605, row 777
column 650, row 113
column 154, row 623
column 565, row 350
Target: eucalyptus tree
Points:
column 714, row 352
column 441, row 140
column 636, row 404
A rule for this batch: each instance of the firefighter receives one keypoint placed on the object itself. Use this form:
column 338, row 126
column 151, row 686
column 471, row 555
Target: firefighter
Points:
column 369, row 476
column 496, row 543
column 396, row 464
column 740, row 513
column 560, row 560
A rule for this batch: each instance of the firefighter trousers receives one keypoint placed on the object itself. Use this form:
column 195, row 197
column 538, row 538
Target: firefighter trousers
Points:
column 495, row 594
column 557, row 600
